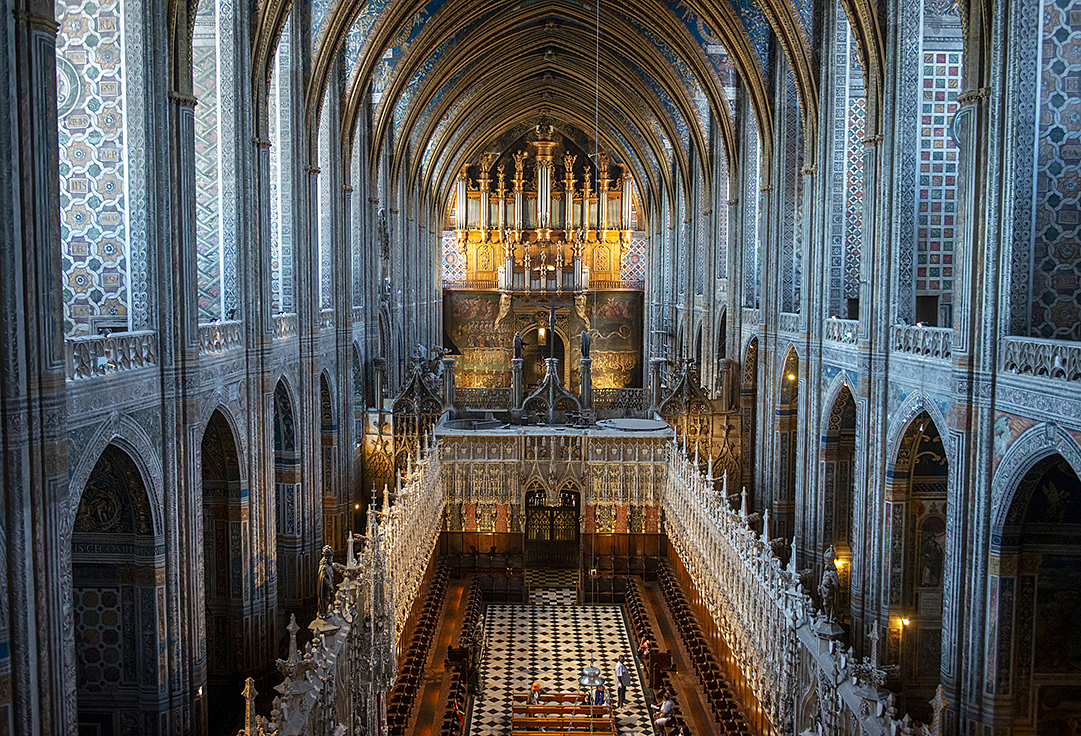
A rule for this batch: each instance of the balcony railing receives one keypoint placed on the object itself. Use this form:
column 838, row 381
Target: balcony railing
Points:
column 471, row 284
column 326, row 318
column 751, row 316
column 285, row 324
column 617, row 285
column 844, row 331
column 1031, row 356
column 101, row 355
column 932, row 342
column 217, row 337
column 789, row 322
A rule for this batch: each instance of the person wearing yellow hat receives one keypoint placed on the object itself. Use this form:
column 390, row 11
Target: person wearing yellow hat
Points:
column 534, row 694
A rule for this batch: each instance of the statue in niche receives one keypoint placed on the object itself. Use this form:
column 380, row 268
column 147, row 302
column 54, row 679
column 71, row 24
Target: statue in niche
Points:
column 829, row 588
column 326, row 581
column 585, row 344
column 518, row 345
column 931, row 555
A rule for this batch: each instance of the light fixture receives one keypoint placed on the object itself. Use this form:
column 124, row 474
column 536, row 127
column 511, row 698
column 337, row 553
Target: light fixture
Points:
column 791, row 376
column 904, row 622
column 199, row 692
column 838, row 564
column 356, row 507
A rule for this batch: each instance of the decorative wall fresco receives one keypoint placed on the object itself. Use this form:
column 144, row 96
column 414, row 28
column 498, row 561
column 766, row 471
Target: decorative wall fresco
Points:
column 1056, row 253
column 470, row 320
column 616, row 327
column 91, row 108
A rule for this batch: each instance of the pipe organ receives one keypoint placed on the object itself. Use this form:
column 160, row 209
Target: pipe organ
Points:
column 530, row 237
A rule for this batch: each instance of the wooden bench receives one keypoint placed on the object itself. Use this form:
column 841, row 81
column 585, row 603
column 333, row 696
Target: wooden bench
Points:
column 560, row 709
column 549, row 697
column 560, row 722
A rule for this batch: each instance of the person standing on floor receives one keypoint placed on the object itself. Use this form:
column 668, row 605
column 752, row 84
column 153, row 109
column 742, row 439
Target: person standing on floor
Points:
column 623, row 679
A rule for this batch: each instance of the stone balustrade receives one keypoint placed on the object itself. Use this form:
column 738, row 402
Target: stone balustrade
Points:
column 767, row 619
column 752, row 316
column 285, row 325
column 217, row 337
column 931, row 342
column 789, row 322
column 101, row 355
column 1030, row 356
column 326, row 318
column 337, row 683
column 844, row 331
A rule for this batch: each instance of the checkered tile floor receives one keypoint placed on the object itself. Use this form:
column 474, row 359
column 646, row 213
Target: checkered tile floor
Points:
column 553, row 596
column 551, row 645
column 551, row 578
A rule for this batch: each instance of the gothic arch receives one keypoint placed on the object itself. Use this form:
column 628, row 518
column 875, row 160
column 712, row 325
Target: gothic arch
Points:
column 839, row 382
column 112, row 594
column 916, row 403
column 1033, row 445
column 230, row 419
column 123, row 432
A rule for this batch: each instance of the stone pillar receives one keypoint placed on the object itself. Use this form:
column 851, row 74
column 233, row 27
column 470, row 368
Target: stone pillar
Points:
column 585, row 386
column 378, row 379
column 448, row 383
column 516, row 386
column 655, row 397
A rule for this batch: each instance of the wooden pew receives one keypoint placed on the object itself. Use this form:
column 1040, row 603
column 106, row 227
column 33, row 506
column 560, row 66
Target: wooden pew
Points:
column 524, row 709
column 549, row 697
column 563, row 723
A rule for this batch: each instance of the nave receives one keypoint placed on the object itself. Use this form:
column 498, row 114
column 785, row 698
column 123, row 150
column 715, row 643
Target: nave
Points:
column 488, row 649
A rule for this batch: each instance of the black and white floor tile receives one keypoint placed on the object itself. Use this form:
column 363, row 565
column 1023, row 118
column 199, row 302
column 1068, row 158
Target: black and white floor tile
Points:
column 551, row 578
column 550, row 644
column 553, row 596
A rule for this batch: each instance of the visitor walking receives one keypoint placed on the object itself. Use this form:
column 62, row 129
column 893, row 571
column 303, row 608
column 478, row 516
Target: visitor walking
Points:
column 623, row 679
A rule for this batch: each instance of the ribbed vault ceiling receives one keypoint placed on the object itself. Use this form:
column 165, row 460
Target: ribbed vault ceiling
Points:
column 466, row 72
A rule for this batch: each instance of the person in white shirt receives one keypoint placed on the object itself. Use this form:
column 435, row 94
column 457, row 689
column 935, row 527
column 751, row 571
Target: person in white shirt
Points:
column 623, row 679
column 664, row 711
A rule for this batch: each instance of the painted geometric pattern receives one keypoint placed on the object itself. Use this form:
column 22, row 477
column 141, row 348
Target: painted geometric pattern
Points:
column 936, row 189
column 281, row 221
column 1056, row 273
column 326, row 220
column 632, row 264
column 207, row 174
column 453, row 260
column 98, row 639
column 854, row 196
column 721, row 213
column 93, row 183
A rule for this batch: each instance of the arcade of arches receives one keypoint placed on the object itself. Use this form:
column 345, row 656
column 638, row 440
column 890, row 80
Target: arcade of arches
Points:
column 647, row 289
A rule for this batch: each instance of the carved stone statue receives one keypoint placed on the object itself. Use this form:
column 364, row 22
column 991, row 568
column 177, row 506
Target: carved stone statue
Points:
column 517, row 344
column 326, row 581
column 829, row 588
column 585, row 344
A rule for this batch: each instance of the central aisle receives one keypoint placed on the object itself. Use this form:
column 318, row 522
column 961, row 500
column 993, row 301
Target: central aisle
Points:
column 550, row 644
